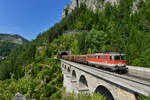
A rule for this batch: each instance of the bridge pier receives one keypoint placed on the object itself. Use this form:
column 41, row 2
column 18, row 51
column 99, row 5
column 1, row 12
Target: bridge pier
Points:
column 67, row 84
column 78, row 81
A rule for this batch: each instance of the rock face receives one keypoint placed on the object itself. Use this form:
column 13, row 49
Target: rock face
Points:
column 92, row 4
column 66, row 10
column 19, row 97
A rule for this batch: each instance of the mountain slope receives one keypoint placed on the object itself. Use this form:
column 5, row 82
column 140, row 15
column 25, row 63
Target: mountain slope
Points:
column 126, row 32
column 8, row 42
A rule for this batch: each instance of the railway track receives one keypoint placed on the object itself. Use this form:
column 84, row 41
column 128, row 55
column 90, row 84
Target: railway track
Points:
column 129, row 76
column 138, row 77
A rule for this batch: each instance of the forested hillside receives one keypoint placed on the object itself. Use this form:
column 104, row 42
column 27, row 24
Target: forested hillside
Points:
column 8, row 42
column 116, row 28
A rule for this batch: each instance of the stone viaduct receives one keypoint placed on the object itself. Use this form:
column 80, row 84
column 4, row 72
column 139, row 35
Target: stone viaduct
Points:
column 79, row 78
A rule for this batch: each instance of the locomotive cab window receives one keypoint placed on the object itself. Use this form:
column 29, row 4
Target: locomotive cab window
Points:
column 117, row 58
column 121, row 57
column 110, row 58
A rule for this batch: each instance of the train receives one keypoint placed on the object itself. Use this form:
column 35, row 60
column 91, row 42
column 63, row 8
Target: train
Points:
column 111, row 61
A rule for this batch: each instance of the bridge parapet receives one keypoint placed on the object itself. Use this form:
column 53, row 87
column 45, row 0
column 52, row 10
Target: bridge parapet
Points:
column 139, row 69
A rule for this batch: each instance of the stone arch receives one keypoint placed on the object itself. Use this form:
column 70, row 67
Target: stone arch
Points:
column 83, row 82
column 105, row 92
column 68, row 70
column 74, row 76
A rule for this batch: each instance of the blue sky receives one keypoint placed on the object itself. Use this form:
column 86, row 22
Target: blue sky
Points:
column 28, row 18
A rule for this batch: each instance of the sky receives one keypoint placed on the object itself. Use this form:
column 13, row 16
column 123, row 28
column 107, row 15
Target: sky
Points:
column 28, row 18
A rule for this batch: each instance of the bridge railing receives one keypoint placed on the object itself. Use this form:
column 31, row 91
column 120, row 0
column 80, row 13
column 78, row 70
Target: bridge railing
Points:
column 141, row 69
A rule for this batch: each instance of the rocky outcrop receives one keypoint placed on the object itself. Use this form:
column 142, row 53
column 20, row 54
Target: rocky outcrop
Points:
column 65, row 11
column 19, row 97
column 93, row 4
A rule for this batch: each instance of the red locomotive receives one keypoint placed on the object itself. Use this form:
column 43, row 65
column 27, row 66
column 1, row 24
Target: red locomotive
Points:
column 108, row 60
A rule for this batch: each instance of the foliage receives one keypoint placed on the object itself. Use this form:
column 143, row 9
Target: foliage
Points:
column 95, row 96
column 17, row 60
column 147, row 98
column 140, row 97
column 38, row 82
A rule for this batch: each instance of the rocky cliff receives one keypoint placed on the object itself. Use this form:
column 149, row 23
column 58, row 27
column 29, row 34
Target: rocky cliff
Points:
column 92, row 4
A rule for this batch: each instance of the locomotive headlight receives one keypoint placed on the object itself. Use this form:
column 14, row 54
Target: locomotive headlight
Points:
column 120, row 64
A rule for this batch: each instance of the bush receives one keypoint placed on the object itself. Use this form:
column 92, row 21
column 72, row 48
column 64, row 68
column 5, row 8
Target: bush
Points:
column 95, row 96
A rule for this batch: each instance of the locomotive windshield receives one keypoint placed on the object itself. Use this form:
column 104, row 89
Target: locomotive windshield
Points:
column 120, row 57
